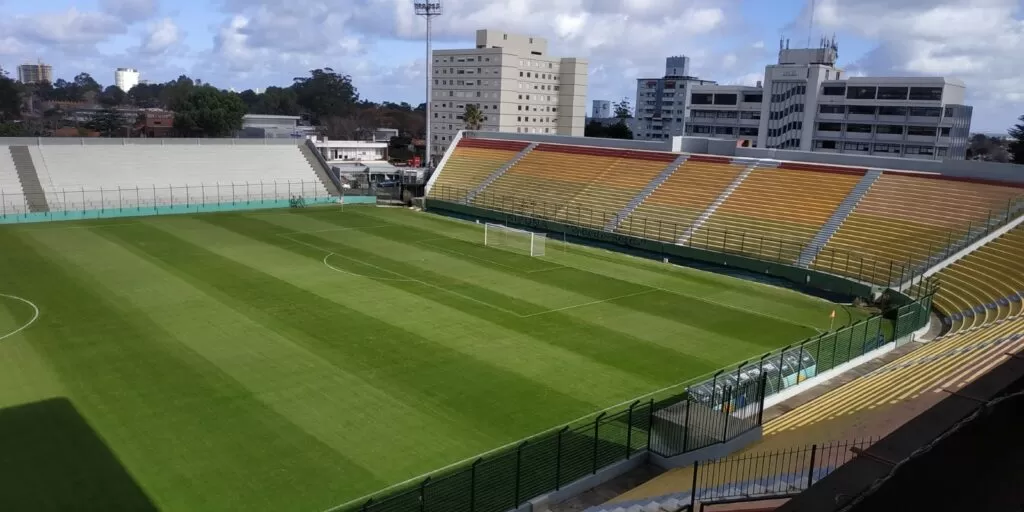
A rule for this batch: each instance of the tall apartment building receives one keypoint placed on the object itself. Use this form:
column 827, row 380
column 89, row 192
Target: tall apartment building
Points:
column 33, row 73
column 808, row 104
column 518, row 87
column 602, row 109
column 126, row 78
column 661, row 108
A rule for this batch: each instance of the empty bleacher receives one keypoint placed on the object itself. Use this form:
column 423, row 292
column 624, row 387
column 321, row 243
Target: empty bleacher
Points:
column 585, row 186
column 984, row 286
column 12, row 198
column 776, row 211
column 470, row 163
column 676, row 204
column 908, row 218
column 107, row 176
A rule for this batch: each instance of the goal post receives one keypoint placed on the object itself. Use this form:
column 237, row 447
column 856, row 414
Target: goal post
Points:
column 512, row 239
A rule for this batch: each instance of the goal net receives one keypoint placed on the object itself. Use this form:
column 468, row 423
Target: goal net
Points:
column 512, row 239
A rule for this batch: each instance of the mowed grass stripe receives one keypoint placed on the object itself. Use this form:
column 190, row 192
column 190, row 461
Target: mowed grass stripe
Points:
column 192, row 437
column 445, row 319
column 649, row 362
column 713, row 335
column 397, row 359
column 319, row 397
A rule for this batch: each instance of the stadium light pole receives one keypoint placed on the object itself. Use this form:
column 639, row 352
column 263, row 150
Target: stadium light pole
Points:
column 428, row 10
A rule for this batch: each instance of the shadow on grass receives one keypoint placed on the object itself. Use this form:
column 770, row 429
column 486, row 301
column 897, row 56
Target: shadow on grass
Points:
column 50, row 459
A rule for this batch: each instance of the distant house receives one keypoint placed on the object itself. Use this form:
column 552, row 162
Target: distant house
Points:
column 266, row 126
column 154, row 123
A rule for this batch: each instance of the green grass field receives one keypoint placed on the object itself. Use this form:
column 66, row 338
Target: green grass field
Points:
column 295, row 360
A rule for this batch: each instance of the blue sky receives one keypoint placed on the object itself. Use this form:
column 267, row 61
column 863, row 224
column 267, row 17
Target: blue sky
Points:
column 254, row 43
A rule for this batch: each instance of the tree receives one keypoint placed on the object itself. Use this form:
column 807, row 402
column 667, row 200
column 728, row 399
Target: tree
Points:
column 108, row 122
column 473, row 118
column 10, row 98
column 85, row 85
column 622, row 109
column 326, row 93
column 1017, row 141
column 112, row 96
column 618, row 130
column 277, row 101
column 208, row 112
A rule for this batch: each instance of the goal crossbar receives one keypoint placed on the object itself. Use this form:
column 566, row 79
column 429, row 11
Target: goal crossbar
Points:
column 512, row 239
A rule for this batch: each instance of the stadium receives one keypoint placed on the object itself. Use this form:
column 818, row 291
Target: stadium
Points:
column 216, row 324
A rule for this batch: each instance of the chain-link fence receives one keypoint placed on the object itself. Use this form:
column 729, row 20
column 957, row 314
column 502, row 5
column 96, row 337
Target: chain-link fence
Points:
column 154, row 199
column 862, row 267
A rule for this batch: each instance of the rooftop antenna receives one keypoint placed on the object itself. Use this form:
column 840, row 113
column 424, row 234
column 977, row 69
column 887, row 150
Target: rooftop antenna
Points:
column 810, row 24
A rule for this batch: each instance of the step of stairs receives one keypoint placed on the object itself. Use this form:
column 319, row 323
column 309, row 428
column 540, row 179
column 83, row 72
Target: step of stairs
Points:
column 30, row 185
column 849, row 203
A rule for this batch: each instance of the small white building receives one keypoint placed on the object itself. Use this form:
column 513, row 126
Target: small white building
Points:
column 126, row 78
column 602, row 109
column 266, row 126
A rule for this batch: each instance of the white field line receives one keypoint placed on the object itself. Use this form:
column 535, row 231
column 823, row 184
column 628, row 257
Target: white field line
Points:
column 331, row 230
column 25, row 227
column 35, row 315
column 591, row 303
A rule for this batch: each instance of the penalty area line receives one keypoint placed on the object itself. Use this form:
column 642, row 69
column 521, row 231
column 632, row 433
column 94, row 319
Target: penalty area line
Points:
column 35, row 315
column 591, row 303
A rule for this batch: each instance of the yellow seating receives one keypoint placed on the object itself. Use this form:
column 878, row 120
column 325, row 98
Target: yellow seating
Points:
column 774, row 213
column 470, row 163
column 907, row 218
column 675, row 205
column 585, row 186
column 985, row 285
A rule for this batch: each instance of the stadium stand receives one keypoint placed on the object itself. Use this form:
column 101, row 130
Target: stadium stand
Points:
column 89, row 177
column 870, row 406
column 984, row 286
column 585, row 185
column 472, row 161
column 12, row 197
column 676, row 204
column 909, row 218
column 787, row 205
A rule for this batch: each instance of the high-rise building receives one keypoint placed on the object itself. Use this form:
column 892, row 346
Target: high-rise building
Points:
column 32, row 73
column 517, row 86
column 807, row 103
column 602, row 109
column 126, row 78
column 661, row 103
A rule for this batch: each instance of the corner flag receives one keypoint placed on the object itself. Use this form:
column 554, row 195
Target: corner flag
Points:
column 832, row 320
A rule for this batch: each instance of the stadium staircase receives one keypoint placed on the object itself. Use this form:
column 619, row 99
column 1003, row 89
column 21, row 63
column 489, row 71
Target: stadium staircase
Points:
column 320, row 167
column 498, row 172
column 819, row 241
column 613, row 224
column 754, row 164
column 30, row 184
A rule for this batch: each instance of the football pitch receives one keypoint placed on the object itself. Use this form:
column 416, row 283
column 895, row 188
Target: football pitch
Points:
column 296, row 360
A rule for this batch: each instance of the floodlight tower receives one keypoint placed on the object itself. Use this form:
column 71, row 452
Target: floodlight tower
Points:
column 428, row 10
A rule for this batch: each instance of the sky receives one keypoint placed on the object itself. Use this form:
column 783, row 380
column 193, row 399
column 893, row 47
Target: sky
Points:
column 245, row 44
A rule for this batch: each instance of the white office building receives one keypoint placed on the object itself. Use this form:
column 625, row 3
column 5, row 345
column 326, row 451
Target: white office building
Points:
column 602, row 109
column 661, row 103
column 808, row 104
column 126, row 78
column 518, row 87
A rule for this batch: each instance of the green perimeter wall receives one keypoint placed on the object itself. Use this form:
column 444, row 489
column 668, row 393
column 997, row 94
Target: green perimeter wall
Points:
column 177, row 209
column 799, row 276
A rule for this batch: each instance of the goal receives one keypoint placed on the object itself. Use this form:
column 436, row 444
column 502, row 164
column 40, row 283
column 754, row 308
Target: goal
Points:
column 512, row 239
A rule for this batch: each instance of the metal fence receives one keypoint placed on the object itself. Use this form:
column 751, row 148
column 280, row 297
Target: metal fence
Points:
column 862, row 267
column 155, row 198
column 778, row 473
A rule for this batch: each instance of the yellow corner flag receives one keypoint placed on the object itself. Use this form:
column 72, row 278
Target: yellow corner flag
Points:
column 833, row 315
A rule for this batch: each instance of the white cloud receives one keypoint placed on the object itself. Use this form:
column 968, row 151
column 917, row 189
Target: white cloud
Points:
column 130, row 10
column 160, row 37
column 70, row 27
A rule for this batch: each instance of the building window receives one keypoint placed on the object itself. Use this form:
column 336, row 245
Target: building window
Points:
column 829, row 127
column 942, row 152
column 949, row 111
column 832, row 109
column 833, row 90
column 862, row 110
column 944, row 132
column 856, row 146
column 825, row 144
column 858, row 128
column 725, row 99
column 890, row 129
column 925, row 111
column 702, row 99
column 927, row 131
column 926, row 93
column 749, row 132
column 892, row 93
column 752, row 98
column 887, row 148
column 750, row 115
column 861, row 93
column 892, row 111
